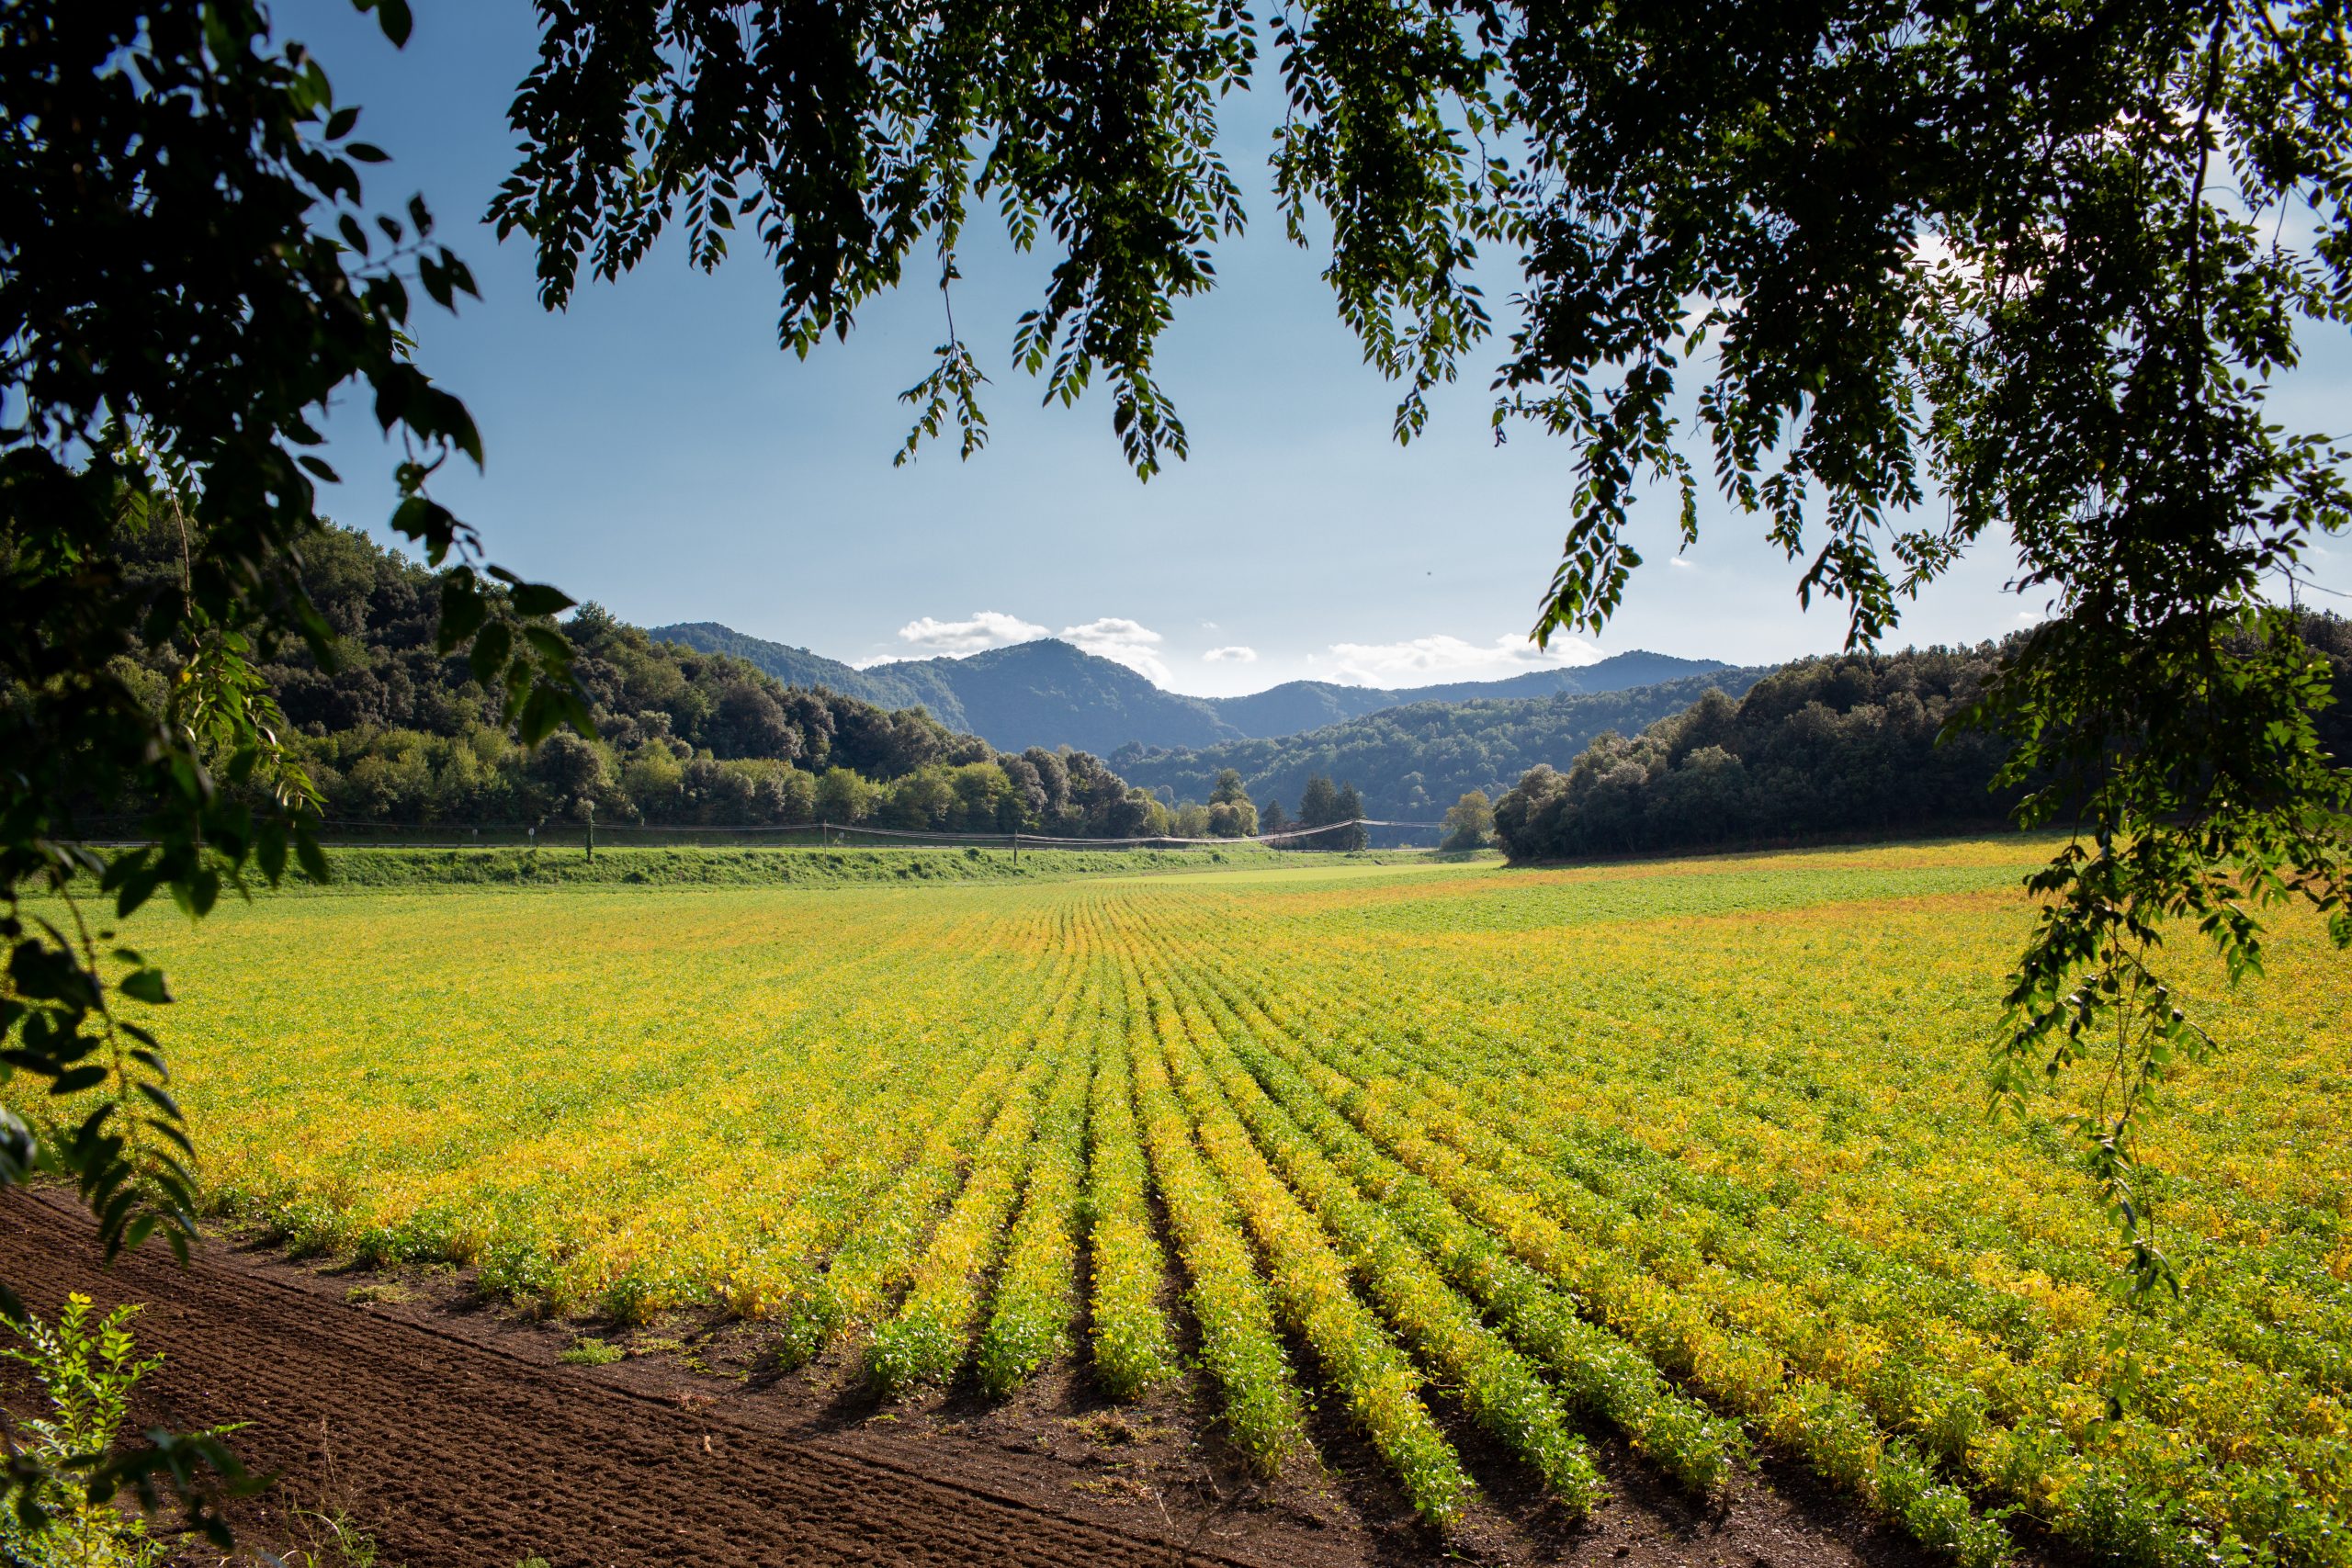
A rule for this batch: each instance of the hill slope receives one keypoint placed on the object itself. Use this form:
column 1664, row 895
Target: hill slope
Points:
column 799, row 667
column 1296, row 706
column 1051, row 694
column 1414, row 760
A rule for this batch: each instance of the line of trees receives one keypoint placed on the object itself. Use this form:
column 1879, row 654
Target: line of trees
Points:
column 1230, row 813
column 1851, row 744
column 1823, row 746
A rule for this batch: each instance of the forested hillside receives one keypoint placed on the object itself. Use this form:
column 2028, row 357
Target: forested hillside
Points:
column 1413, row 761
column 1034, row 693
column 1048, row 693
column 395, row 732
column 1296, row 706
column 1051, row 694
column 799, row 667
column 1825, row 747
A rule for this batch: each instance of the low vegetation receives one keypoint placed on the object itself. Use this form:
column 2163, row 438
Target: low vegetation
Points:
column 1694, row 1153
column 85, row 1366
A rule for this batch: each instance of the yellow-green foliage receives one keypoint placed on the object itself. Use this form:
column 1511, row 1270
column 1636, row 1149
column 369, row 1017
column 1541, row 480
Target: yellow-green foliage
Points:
column 1697, row 1153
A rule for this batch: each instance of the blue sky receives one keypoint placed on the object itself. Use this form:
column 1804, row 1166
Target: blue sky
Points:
column 652, row 448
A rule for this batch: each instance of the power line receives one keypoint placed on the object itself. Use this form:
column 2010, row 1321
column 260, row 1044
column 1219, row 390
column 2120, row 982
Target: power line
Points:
column 616, row 833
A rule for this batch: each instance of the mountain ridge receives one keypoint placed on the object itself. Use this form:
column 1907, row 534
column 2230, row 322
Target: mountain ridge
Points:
column 1413, row 760
column 1048, row 692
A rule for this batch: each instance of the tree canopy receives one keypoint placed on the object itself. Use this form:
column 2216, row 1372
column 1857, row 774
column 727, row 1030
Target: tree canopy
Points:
column 1822, row 747
column 391, row 728
column 1469, row 822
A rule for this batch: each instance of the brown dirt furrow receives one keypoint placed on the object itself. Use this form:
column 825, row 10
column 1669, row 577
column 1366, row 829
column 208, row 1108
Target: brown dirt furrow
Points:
column 446, row 1428
column 448, row 1452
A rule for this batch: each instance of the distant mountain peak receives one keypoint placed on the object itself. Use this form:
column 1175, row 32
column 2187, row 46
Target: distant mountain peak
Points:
column 1048, row 691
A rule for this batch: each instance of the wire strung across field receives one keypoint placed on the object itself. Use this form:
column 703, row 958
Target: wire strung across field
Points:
column 347, row 832
column 1163, row 841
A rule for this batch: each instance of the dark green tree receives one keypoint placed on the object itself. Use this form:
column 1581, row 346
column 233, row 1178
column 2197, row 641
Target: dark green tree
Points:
column 1347, row 806
column 1231, row 814
column 1469, row 822
column 749, row 722
column 1318, row 806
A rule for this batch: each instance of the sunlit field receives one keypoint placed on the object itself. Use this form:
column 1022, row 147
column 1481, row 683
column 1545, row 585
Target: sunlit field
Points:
column 1695, row 1153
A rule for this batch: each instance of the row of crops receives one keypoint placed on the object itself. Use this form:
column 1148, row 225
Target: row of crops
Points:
column 1692, row 1155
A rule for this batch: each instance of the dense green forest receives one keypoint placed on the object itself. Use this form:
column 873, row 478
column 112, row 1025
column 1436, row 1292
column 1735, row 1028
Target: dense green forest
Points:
column 396, row 732
column 1821, row 748
column 1414, row 762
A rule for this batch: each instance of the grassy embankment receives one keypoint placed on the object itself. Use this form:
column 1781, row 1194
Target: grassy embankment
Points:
column 379, row 868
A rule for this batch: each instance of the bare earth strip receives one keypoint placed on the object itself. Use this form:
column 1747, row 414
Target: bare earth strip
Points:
column 452, row 1438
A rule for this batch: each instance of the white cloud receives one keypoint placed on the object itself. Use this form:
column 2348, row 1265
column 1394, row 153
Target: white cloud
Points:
column 989, row 628
column 1427, row 660
column 1231, row 656
column 1123, row 642
column 1678, row 561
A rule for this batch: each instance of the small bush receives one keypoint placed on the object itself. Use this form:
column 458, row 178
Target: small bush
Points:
column 86, row 1372
column 592, row 1353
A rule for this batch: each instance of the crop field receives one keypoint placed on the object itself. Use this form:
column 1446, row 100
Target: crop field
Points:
column 1693, row 1154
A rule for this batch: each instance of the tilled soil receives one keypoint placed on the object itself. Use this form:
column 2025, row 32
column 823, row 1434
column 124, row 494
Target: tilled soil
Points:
column 448, row 1431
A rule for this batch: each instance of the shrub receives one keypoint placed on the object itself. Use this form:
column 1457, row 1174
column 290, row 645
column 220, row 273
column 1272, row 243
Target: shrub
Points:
column 86, row 1372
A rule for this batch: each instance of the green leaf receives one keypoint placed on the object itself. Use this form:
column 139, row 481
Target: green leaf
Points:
column 146, row 985
column 491, row 645
column 549, row 645
column 269, row 852
column 538, row 598
column 394, row 17
column 77, row 1079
